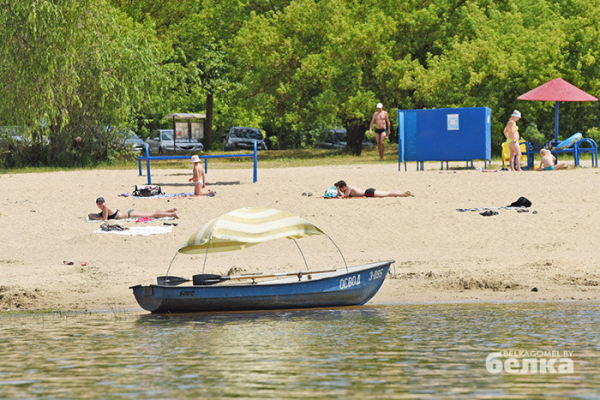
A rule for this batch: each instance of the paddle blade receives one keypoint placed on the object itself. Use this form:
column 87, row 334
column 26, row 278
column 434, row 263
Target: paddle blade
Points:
column 170, row 280
column 207, row 279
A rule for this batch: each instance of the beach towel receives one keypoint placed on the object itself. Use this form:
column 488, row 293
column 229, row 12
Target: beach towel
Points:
column 140, row 230
column 488, row 208
column 88, row 219
column 518, row 205
column 173, row 196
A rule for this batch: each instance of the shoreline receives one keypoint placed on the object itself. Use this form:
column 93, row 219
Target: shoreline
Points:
column 143, row 313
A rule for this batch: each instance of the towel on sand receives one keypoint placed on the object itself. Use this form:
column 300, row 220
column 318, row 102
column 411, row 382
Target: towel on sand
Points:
column 88, row 219
column 171, row 196
column 141, row 230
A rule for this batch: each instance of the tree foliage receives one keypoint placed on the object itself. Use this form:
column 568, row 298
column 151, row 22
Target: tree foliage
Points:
column 71, row 72
column 291, row 67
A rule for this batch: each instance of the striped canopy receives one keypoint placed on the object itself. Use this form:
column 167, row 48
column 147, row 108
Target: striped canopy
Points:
column 247, row 227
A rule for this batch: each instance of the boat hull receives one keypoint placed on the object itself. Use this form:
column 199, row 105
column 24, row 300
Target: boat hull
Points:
column 343, row 287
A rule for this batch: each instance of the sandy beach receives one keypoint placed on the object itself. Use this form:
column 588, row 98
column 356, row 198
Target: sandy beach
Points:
column 441, row 254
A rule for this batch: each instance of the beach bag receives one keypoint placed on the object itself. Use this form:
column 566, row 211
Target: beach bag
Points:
column 331, row 193
column 521, row 202
column 146, row 190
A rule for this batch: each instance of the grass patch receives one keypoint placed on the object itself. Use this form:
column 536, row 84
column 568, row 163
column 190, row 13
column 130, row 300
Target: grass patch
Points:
column 271, row 159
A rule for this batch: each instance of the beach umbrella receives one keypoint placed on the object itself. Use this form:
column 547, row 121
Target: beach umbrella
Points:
column 247, row 227
column 557, row 90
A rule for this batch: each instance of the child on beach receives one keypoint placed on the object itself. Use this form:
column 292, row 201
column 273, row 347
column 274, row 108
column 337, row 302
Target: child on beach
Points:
column 547, row 161
column 198, row 178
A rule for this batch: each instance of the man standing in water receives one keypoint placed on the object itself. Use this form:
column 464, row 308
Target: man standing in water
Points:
column 511, row 131
column 381, row 119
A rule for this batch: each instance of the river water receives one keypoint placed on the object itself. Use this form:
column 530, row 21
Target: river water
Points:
column 396, row 351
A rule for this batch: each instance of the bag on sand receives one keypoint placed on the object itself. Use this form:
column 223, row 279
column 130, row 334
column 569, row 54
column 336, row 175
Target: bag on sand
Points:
column 146, row 190
column 332, row 192
column 521, row 202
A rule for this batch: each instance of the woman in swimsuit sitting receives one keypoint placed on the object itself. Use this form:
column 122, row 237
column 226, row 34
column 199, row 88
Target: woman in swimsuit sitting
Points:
column 107, row 212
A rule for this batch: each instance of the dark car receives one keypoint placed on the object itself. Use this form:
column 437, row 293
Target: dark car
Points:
column 336, row 139
column 12, row 137
column 242, row 138
column 133, row 142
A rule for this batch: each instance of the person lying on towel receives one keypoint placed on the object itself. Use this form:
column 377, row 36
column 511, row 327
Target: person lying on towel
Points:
column 107, row 212
column 345, row 190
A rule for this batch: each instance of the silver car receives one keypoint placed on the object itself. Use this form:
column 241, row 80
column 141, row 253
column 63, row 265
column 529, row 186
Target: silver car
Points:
column 161, row 142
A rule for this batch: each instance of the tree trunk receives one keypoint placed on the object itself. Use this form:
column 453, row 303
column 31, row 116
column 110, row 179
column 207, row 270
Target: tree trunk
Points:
column 355, row 135
column 208, row 122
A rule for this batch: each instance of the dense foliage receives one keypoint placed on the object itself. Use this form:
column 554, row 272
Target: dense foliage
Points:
column 70, row 70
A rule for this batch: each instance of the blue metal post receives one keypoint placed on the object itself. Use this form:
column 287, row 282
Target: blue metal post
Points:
column 255, row 164
column 401, row 141
column 148, row 164
column 205, row 164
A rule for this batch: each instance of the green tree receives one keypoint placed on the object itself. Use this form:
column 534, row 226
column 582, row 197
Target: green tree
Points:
column 71, row 69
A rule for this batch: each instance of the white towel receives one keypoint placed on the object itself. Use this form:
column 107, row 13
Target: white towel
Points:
column 116, row 221
column 141, row 230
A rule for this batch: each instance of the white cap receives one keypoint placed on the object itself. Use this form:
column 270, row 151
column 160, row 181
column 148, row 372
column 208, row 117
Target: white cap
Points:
column 379, row 105
column 195, row 159
column 516, row 114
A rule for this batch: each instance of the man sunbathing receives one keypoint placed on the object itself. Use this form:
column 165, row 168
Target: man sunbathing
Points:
column 351, row 191
column 107, row 212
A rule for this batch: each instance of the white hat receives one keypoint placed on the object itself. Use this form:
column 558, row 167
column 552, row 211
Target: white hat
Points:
column 195, row 159
column 516, row 114
column 379, row 105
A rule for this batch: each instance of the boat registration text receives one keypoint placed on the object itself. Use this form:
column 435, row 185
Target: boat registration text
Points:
column 354, row 280
column 350, row 281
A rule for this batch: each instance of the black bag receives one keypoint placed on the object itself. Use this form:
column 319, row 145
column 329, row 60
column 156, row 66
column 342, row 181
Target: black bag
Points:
column 521, row 202
column 146, row 190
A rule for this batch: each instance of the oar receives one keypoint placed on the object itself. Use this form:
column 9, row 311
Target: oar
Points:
column 170, row 280
column 211, row 279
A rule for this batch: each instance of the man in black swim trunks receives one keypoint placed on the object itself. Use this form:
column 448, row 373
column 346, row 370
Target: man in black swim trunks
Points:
column 345, row 190
column 381, row 119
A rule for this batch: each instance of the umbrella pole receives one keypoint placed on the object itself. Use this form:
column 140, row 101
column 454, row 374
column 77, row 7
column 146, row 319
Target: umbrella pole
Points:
column 206, row 254
column 336, row 246
column 556, row 122
column 171, row 263
column 297, row 245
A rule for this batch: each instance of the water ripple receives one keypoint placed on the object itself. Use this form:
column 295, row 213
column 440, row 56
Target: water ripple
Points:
column 401, row 351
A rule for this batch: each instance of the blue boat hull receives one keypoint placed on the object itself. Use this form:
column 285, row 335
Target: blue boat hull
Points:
column 344, row 287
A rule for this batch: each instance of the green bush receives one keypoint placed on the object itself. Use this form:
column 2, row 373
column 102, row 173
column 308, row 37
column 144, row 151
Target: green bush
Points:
column 532, row 134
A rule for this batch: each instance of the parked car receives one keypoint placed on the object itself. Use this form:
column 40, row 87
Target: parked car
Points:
column 241, row 138
column 161, row 141
column 134, row 142
column 127, row 139
column 12, row 137
column 336, row 139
